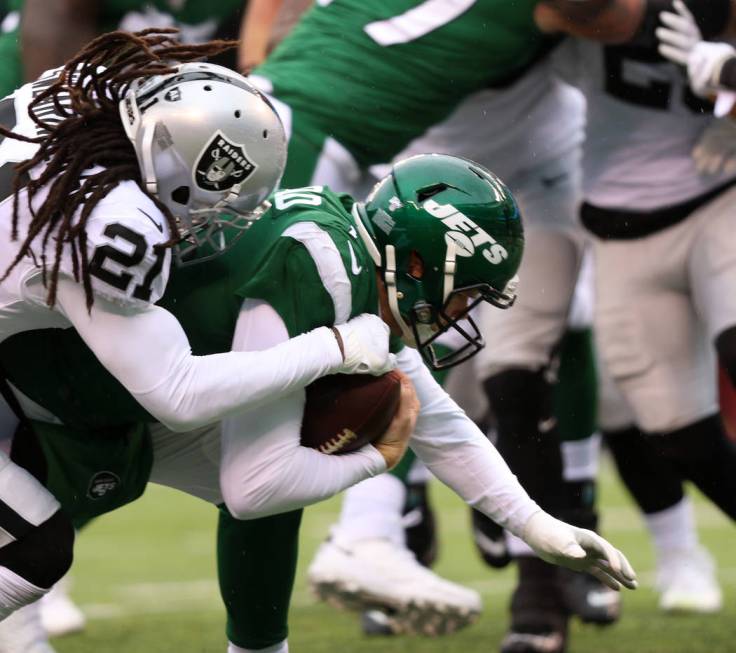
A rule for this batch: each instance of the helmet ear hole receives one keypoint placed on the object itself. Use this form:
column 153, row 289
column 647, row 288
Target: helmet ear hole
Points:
column 180, row 195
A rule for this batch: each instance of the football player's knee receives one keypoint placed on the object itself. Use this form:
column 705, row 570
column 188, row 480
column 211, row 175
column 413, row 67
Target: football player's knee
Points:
column 726, row 347
column 44, row 554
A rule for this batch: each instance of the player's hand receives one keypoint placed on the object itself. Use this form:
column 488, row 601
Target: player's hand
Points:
column 705, row 65
column 581, row 550
column 680, row 41
column 393, row 443
column 679, row 35
column 715, row 152
column 364, row 345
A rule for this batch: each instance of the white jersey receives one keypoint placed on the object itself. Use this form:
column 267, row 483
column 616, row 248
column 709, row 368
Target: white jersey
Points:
column 643, row 122
column 122, row 232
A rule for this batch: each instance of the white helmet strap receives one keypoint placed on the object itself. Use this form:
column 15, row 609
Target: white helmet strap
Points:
column 450, row 266
column 149, row 172
column 393, row 295
column 365, row 236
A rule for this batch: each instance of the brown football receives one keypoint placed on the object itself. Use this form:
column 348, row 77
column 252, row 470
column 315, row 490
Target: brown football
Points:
column 344, row 412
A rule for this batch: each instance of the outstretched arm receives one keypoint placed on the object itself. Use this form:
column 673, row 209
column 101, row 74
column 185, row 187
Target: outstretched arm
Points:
column 456, row 451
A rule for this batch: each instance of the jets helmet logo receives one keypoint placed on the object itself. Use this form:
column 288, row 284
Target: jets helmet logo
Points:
column 101, row 484
column 222, row 164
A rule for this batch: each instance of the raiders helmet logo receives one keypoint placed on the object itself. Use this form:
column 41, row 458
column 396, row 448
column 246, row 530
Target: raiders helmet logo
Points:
column 222, row 164
column 101, row 484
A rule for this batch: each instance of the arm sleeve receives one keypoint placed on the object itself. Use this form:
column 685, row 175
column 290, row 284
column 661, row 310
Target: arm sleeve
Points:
column 147, row 350
column 264, row 469
column 458, row 453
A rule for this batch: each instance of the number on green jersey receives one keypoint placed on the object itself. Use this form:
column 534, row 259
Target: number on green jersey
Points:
column 306, row 196
column 426, row 17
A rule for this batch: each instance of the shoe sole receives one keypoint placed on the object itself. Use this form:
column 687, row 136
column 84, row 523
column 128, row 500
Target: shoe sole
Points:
column 412, row 618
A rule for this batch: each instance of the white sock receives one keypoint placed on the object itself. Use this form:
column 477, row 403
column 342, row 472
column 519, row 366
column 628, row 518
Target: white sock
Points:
column 281, row 647
column 580, row 458
column 15, row 592
column 673, row 528
column 372, row 509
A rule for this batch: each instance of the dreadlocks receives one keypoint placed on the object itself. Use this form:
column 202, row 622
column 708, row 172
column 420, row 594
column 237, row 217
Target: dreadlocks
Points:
column 86, row 131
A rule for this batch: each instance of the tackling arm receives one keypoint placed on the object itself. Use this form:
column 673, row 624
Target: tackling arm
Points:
column 148, row 352
column 52, row 31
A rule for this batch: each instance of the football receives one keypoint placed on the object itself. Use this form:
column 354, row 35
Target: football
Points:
column 344, row 412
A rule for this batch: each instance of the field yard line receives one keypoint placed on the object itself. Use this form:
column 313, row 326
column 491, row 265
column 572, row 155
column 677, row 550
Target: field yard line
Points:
column 202, row 595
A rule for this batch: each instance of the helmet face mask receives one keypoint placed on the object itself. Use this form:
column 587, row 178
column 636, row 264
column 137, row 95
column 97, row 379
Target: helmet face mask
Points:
column 213, row 234
column 463, row 227
column 209, row 146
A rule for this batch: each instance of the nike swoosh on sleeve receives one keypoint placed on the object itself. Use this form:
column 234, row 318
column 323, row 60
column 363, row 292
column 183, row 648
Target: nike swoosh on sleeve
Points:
column 158, row 226
column 354, row 267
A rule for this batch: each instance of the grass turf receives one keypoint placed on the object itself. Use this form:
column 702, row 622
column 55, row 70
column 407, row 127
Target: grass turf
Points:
column 145, row 576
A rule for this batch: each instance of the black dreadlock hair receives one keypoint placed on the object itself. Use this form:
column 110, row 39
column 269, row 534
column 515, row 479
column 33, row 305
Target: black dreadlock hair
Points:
column 90, row 133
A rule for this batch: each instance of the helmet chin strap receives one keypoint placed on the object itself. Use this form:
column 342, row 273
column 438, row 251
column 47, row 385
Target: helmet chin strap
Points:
column 450, row 266
column 389, row 277
column 365, row 236
column 149, row 173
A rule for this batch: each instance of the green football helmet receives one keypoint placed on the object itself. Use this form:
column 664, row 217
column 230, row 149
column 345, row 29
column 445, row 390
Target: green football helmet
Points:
column 462, row 223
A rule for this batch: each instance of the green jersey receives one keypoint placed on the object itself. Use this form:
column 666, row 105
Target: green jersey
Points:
column 303, row 257
column 374, row 75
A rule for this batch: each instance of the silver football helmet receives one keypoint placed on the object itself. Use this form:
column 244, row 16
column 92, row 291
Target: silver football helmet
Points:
column 210, row 147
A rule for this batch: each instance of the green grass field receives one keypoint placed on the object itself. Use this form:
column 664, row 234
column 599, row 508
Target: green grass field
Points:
column 145, row 577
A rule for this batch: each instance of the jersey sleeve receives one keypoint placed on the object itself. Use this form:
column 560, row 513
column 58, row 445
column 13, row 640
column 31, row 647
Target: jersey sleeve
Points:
column 127, row 265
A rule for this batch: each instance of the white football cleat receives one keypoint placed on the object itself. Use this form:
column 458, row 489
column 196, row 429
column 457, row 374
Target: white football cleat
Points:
column 687, row 582
column 22, row 632
column 59, row 614
column 377, row 574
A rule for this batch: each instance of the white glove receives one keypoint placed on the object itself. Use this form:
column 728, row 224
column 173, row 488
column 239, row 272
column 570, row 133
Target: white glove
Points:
column 680, row 34
column 581, row 550
column 682, row 42
column 715, row 152
column 705, row 64
column 365, row 346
